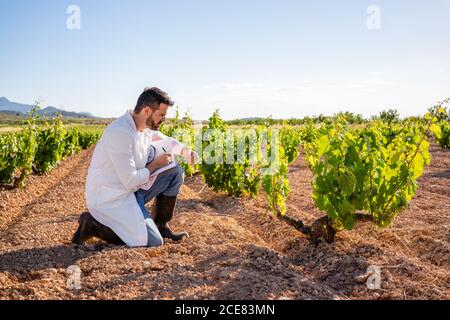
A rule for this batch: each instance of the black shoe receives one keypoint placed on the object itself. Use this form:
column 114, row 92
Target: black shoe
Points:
column 163, row 210
column 89, row 228
column 85, row 229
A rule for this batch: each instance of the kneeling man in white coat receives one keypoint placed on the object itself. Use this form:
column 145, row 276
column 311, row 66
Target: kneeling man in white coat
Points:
column 121, row 178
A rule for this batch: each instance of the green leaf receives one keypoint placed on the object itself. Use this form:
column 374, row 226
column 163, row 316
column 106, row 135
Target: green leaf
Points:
column 322, row 145
column 418, row 166
column 349, row 221
column 347, row 182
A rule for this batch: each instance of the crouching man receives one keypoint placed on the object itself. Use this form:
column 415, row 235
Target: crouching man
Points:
column 121, row 178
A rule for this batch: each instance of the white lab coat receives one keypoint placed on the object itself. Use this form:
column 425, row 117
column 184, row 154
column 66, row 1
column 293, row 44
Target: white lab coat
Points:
column 116, row 171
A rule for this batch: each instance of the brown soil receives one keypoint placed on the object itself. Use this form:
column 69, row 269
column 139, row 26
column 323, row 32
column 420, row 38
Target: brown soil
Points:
column 236, row 249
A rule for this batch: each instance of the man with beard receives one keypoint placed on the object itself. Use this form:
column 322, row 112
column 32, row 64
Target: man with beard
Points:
column 119, row 170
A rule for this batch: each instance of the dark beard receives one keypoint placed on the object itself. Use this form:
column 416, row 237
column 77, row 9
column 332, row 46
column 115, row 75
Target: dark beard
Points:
column 151, row 124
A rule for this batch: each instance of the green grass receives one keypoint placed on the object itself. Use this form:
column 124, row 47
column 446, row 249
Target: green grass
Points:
column 14, row 120
column 98, row 128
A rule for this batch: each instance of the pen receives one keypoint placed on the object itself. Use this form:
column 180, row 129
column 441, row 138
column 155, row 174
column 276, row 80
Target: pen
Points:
column 164, row 150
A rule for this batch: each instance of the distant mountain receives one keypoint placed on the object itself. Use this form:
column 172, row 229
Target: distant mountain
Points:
column 6, row 105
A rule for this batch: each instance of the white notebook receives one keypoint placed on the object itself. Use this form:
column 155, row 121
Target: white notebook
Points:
column 162, row 147
column 165, row 168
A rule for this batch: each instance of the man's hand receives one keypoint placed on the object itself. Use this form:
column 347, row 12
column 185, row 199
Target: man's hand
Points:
column 159, row 162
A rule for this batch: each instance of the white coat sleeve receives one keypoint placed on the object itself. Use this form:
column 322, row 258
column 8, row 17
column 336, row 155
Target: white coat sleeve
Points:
column 120, row 151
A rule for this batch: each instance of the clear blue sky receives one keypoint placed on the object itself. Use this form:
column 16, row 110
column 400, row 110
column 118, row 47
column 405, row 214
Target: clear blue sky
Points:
column 248, row 58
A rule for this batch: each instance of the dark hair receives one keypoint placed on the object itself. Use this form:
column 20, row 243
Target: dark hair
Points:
column 152, row 97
